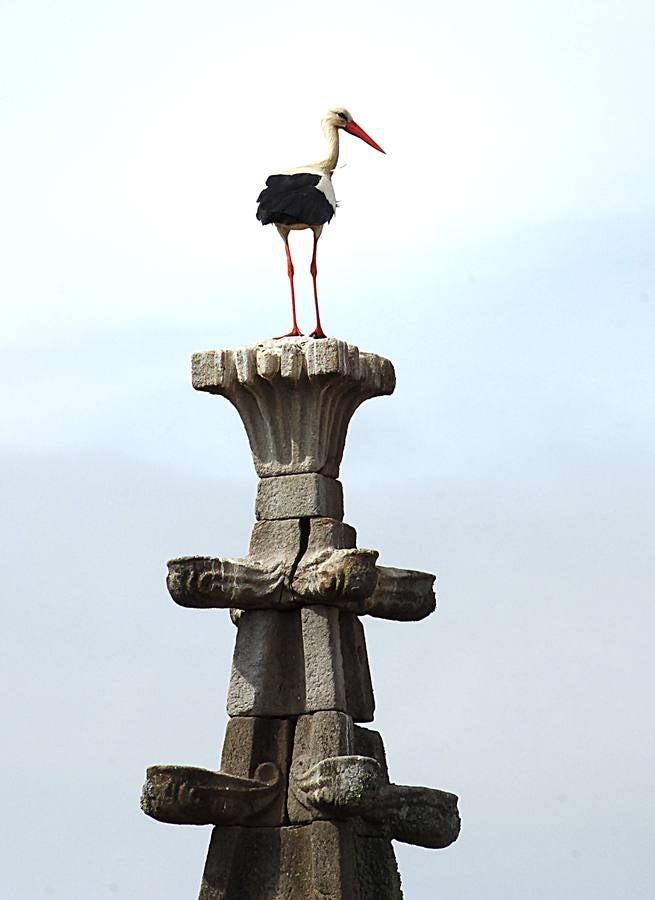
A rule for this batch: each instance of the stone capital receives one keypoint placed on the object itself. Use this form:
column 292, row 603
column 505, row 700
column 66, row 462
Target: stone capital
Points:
column 296, row 397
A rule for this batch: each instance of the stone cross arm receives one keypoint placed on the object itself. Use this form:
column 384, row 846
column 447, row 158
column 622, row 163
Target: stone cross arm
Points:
column 346, row 578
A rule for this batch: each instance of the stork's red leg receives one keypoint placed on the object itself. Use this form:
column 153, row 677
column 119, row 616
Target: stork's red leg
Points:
column 318, row 331
column 295, row 331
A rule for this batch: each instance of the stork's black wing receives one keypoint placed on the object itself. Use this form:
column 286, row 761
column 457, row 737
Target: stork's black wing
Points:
column 293, row 200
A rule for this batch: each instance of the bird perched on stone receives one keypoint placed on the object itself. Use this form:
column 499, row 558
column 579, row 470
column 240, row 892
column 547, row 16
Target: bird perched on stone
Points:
column 304, row 198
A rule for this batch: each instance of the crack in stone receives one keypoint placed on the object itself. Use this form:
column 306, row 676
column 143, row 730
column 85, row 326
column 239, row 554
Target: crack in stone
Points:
column 305, row 527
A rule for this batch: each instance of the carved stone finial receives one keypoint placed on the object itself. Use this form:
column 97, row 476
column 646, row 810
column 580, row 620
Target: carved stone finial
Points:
column 302, row 804
column 296, row 397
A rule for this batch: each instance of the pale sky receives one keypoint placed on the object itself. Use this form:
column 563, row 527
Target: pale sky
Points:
column 501, row 254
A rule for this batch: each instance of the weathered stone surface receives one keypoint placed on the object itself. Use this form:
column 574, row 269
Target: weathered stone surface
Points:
column 186, row 795
column 316, row 861
column 203, row 582
column 319, row 861
column 349, row 786
column 417, row 815
column 259, row 581
column 251, row 741
column 330, row 534
column 333, row 864
column 317, row 737
column 296, row 397
column 332, row 570
column 245, row 864
column 340, row 786
column 368, row 742
column 340, row 771
column 303, row 561
column 377, row 870
column 341, row 577
column 299, row 496
column 265, row 681
column 308, row 675
column 360, row 700
column 401, row 594
column 321, row 637
column 276, row 539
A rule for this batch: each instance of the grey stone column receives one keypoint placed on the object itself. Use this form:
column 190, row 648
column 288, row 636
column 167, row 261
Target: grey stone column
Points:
column 302, row 805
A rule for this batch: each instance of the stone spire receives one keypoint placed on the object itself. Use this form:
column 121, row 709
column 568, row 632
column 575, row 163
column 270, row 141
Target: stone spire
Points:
column 302, row 805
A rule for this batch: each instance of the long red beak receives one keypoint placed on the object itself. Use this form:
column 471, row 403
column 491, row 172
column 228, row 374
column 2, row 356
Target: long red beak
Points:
column 353, row 128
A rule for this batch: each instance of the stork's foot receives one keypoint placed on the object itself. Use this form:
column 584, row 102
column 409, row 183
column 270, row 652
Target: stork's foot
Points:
column 318, row 333
column 295, row 332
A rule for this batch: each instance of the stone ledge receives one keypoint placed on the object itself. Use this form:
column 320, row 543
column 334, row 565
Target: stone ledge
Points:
column 291, row 359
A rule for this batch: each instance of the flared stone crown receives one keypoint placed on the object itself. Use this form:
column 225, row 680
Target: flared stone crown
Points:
column 296, row 397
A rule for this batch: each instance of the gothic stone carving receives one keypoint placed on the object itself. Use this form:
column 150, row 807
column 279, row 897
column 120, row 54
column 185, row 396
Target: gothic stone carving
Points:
column 302, row 803
column 296, row 398
column 185, row 795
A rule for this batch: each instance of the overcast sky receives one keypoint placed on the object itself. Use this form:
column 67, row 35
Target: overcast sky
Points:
column 501, row 254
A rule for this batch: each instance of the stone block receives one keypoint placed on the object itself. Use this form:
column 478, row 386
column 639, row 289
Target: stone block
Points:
column 326, row 860
column 288, row 663
column 268, row 675
column 248, row 743
column 321, row 639
column 330, row 534
column 333, row 863
column 276, row 539
column 377, row 870
column 368, row 742
column 244, row 864
column 360, row 701
column 299, row 496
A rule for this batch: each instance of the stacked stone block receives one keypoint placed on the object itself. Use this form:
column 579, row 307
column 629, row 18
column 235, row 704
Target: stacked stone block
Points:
column 302, row 805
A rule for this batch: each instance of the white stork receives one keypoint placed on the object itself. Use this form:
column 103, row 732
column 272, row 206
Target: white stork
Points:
column 304, row 198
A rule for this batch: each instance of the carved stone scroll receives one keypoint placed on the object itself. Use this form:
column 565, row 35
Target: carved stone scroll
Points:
column 185, row 795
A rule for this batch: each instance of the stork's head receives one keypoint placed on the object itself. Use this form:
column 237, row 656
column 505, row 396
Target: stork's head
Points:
column 339, row 117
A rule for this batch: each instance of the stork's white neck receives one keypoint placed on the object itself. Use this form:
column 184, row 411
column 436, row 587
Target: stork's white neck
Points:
column 329, row 164
column 324, row 166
